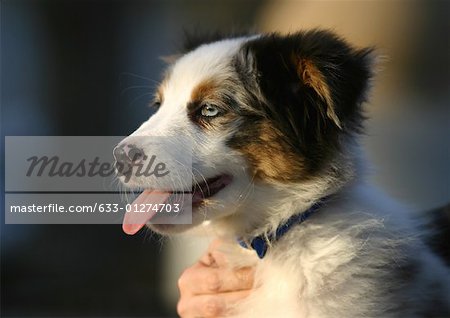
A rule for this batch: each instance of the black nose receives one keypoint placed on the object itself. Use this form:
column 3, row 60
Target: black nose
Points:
column 128, row 154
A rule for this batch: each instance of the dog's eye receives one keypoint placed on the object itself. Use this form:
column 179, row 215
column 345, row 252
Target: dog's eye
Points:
column 210, row 111
column 156, row 104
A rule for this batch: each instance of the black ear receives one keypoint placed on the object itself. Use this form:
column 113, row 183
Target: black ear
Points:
column 317, row 78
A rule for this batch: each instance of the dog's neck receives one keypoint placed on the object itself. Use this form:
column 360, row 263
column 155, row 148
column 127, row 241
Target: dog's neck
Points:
column 264, row 214
column 261, row 243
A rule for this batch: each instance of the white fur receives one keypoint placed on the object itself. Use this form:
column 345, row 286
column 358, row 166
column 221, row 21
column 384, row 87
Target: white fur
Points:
column 340, row 261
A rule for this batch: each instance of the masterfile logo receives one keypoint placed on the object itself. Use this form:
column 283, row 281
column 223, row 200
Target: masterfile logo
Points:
column 75, row 180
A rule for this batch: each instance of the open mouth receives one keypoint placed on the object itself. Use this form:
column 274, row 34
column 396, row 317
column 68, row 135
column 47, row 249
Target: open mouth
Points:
column 208, row 188
column 140, row 212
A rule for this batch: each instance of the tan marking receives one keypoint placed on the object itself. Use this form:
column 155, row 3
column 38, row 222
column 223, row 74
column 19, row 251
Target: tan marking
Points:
column 159, row 94
column 312, row 77
column 271, row 158
column 205, row 90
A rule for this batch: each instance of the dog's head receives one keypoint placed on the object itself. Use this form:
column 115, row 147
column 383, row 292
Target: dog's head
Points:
column 261, row 114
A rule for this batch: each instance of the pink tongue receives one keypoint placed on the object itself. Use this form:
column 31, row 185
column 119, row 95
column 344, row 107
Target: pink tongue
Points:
column 135, row 219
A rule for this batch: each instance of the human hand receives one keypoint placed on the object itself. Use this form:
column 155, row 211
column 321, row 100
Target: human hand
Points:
column 211, row 287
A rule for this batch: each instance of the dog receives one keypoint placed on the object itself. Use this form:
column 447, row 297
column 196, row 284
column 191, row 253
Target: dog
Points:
column 273, row 123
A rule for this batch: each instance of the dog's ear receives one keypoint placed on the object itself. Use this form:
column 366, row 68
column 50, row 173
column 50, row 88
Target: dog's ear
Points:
column 314, row 76
column 311, row 76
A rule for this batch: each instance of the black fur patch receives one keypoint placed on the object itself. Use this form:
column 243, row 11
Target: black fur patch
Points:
column 268, row 64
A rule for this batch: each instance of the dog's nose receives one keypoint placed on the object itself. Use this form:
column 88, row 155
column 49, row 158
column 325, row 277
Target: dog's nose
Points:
column 128, row 154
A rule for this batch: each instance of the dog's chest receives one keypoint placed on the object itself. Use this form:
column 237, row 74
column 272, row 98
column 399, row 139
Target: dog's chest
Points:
column 291, row 277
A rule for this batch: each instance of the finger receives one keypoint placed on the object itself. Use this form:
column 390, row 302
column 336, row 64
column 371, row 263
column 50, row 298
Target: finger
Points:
column 209, row 306
column 231, row 280
column 207, row 259
column 218, row 253
column 200, row 279
column 187, row 280
column 213, row 256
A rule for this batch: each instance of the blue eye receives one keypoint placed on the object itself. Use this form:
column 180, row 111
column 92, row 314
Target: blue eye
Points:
column 210, row 111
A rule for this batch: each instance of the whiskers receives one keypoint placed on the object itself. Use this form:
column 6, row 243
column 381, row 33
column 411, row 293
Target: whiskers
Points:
column 126, row 194
column 146, row 87
column 249, row 189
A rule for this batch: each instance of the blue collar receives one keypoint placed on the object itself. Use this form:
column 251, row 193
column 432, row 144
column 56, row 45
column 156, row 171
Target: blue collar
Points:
column 260, row 243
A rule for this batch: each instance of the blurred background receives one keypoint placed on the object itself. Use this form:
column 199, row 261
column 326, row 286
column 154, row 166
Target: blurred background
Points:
column 90, row 67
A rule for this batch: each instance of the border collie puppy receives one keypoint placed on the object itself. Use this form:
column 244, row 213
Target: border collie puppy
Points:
column 273, row 121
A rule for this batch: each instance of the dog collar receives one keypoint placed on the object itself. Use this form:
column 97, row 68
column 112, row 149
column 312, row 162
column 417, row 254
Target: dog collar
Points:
column 260, row 243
